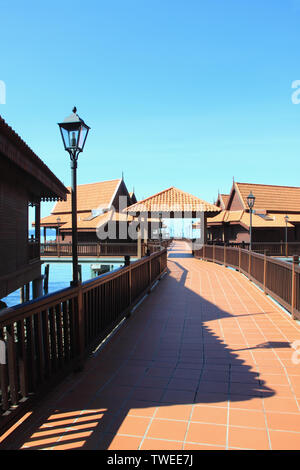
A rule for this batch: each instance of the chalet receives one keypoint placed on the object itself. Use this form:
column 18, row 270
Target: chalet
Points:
column 269, row 223
column 25, row 181
column 98, row 205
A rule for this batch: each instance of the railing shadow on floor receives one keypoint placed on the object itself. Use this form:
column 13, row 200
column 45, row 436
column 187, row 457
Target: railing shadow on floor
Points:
column 164, row 355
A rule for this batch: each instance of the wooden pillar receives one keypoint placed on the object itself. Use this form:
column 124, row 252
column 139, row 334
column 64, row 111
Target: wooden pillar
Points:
column 37, row 227
column 37, row 287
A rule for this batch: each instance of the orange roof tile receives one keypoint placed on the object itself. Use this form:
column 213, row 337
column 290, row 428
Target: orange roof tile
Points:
column 222, row 200
column 90, row 196
column 172, row 200
column 84, row 220
column 270, row 197
column 271, row 220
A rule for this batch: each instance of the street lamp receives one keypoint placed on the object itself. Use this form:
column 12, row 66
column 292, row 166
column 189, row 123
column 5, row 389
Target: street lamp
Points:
column 250, row 202
column 74, row 132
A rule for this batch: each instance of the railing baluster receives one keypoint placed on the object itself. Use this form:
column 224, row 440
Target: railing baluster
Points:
column 12, row 364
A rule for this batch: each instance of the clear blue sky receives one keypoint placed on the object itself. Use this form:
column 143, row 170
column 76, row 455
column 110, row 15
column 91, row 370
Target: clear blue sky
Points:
column 177, row 92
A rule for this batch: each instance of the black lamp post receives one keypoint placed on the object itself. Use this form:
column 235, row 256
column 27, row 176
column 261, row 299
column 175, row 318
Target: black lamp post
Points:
column 58, row 220
column 250, row 202
column 74, row 132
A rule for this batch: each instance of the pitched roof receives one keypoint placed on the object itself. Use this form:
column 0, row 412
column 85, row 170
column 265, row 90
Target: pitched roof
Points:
column 84, row 220
column 90, row 196
column 272, row 220
column 172, row 200
column 13, row 147
column 271, row 197
column 222, row 200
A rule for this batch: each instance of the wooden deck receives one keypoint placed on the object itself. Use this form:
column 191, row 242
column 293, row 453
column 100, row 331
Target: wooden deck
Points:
column 205, row 362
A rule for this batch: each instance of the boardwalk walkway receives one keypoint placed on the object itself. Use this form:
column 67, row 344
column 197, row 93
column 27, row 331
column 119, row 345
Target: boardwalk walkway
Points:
column 205, row 362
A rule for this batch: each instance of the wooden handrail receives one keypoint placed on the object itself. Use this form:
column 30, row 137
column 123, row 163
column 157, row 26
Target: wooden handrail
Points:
column 49, row 336
column 276, row 277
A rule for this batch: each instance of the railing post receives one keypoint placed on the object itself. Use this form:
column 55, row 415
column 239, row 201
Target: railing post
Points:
column 224, row 255
column 149, row 270
column 214, row 252
column 240, row 255
column 127, row 263
column 58, row 250
column 80, row 328
column 265, row 270
column 249, row 264
column 204, row 251
column 160, row 266
column 295, row 262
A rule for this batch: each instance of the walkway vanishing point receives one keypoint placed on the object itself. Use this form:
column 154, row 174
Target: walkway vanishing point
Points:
column 204, row 362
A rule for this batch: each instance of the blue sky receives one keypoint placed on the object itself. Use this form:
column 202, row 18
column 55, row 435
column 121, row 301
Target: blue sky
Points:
column 189, row 93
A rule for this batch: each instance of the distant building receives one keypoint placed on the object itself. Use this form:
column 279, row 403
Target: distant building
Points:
column 24, row 180
column 98, row 205
column 272, row 204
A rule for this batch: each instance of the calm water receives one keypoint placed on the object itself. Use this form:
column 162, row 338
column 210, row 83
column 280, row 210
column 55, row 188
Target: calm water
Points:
column 60, row 276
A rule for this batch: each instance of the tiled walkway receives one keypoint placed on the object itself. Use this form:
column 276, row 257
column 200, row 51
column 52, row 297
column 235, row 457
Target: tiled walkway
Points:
column 205, row 362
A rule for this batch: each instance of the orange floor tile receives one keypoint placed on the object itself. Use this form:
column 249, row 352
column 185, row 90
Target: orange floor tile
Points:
column 204, row 363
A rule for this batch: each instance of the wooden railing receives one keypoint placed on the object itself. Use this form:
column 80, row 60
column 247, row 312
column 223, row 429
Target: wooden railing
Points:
column 272, row 248
column 155, row 245
column 48, row 337
column 33, row 250
column 91, row 249
column 278, row 278
column 102, row 249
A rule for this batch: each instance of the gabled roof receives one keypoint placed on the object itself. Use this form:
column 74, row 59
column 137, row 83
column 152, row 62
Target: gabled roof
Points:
column 90, row 196
column 272, row 220
column 222, row 200
column 84, row 220
column 20, row 154
column 172, row 200
column 133, row 197
column 270, row 197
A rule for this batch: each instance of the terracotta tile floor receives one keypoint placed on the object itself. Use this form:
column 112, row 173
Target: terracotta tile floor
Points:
column 205, row 362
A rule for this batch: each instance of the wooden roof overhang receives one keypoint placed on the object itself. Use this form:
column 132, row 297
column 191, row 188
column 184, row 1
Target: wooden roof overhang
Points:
column 43, row 184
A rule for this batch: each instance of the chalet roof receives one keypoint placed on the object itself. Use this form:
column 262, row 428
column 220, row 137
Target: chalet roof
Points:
column 20, row 154
column 172, row 200
column 222, row 200
column 94, row 207
column 84, row 220
column 89, row 197
column 270, row 197
column 133, row 197
column 262, row 220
